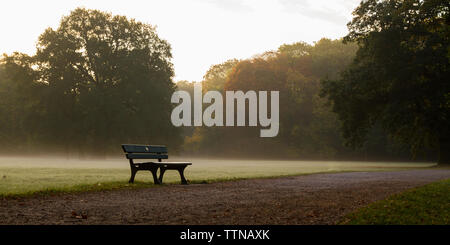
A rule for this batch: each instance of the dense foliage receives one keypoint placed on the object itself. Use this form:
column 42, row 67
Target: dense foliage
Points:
column 400, row 76
column 97, row 81
column 308, row 127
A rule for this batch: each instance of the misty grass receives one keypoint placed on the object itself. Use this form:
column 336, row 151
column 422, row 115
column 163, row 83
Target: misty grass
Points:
column 33, row 176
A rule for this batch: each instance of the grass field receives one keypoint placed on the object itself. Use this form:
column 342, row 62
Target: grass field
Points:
column 427, row 205
column 24, row 176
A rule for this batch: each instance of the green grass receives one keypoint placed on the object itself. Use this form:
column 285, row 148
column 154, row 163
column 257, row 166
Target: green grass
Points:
column 427, row 205
column 27, row 176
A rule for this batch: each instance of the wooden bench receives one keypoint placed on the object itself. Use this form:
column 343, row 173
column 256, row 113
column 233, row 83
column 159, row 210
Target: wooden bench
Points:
column 140, row 152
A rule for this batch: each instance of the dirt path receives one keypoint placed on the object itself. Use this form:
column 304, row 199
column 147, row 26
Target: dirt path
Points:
column 312, row 199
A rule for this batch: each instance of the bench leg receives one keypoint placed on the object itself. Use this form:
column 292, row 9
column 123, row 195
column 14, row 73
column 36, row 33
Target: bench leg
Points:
column 183, row 180
column 162, row 170
column 133, row 174
column 155, row 176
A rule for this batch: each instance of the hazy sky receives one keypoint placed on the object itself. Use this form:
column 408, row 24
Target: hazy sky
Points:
column 201, row 32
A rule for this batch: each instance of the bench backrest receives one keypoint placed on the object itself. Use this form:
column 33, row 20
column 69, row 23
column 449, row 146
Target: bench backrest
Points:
column 145, row 151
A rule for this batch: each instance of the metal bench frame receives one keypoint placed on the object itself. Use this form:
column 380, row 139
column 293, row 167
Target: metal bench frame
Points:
column 135, row 152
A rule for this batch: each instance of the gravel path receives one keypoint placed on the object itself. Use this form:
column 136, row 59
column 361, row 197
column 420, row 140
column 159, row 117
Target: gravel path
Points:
column 310, row 199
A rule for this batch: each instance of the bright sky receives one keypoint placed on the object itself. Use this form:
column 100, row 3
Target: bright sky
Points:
column 201, row 32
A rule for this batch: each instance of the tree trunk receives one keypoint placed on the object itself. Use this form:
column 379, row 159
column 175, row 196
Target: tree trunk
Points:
column 444, row 151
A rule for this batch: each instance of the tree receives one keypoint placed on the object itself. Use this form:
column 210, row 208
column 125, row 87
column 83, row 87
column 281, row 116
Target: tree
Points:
column 216, row 76
column 399, row 78
column 18, row 103
column 109, row 80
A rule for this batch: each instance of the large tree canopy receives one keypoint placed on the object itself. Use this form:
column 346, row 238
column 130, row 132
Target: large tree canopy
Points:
column 96, row 79
column 400, row 76
column 109, row 76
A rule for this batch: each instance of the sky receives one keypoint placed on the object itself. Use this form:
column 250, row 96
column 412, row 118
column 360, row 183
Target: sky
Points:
column 201, row 32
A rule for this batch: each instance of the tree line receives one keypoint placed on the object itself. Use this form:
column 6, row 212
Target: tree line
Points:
column 380, row 93
column 308, row 127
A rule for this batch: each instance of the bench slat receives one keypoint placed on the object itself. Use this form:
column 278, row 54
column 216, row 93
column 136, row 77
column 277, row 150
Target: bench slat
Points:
column 144, row 148
column 146, row 156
